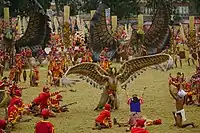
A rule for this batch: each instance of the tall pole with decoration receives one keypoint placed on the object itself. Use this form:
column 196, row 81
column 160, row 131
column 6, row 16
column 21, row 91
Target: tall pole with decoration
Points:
column 66, row 28
column 114, row 24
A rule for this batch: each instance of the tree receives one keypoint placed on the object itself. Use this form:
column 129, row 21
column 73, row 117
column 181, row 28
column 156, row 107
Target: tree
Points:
column 121, row 8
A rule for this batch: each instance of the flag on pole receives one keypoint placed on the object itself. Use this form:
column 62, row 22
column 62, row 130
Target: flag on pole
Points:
column 107, row 15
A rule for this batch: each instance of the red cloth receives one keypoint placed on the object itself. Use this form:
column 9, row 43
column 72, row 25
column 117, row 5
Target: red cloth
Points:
column 138, row 130
column 44, row 127
column 105, row 114
column 13, row 113
column 13, row 101
column 2, row 124
column 43, row 98
column 140, row 123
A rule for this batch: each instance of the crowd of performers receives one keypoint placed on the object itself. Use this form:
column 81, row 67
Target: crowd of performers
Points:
column 47, row 104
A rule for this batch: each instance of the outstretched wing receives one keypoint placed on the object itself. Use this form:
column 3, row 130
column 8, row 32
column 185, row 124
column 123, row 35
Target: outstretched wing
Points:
column 99, row 34
column 159, row 30
column 130, row 67
column 91, row 72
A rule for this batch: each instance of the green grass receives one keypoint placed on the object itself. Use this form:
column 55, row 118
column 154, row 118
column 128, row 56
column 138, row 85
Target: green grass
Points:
column 158, row 104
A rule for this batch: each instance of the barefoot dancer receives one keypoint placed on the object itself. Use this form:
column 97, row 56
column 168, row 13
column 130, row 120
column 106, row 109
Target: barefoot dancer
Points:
column 179, row 115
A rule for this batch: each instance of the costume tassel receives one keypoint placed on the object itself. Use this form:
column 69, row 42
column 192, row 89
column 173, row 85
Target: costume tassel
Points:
column 132, row 78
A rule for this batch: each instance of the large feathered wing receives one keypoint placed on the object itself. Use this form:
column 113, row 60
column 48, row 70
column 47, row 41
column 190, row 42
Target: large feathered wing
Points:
column 156, row 35
column 37, row 34
column 91, row 72
column 99, row 34
column 129, row 68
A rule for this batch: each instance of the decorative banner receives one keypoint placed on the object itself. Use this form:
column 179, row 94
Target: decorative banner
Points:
column 114, row 23
column 126, row 28
column 78, row 21
column 25, row 23
column 55, row 21
column 83, row 27
column 130, row 30
column 140, row 21
column 191, row 22
column 50, row 13
column 107, row 16
column 6, row 14
column 66, row 13
column 19, row 25
column 92, row 12
column 182, row 33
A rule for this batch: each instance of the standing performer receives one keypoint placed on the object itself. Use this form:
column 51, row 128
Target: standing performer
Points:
column 177, row 57
column 35, row 77
column 44, row 126
column 57, row 73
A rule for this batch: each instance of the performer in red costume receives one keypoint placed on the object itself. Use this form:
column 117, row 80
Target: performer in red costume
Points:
column 139, row 128
column 43, row 98
column 14, row 113
column 17, row 96
column 44, row 126
column 104, row 120
column 55, row 104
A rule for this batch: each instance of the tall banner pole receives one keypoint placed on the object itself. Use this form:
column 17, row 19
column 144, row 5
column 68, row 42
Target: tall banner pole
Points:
column 92, row 12
column 66, row 29
column 114, row 23
column 6, row 14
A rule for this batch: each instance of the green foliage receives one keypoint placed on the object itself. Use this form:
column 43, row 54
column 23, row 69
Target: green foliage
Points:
column 121, row 8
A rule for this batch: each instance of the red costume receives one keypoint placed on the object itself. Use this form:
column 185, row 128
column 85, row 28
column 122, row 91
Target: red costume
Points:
column 44, row 126
column 104, row 117
column 43, row 98
column 2, row 126
column 138, row 130
column 14, row 112
column 140, row 123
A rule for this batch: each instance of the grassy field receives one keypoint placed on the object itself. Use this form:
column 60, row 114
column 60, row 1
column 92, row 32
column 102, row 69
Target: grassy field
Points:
column 158, row 104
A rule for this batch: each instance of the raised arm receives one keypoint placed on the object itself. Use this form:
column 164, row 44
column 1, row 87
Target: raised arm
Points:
column 171, row 92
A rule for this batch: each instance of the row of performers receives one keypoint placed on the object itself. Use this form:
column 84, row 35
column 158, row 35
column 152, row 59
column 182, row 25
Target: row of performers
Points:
column 17, row 108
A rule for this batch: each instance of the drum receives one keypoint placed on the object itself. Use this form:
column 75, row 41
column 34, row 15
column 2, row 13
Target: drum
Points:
column 194, row 55
column 182, row 55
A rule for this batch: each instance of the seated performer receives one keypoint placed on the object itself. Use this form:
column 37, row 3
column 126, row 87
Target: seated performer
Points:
column 179, row 115
column 44, row 126
column 103, row 120
column 13, row 112
column 135, row 109
column 16, row 96
column 139, row 127
column 43, row 98
column 55, row 104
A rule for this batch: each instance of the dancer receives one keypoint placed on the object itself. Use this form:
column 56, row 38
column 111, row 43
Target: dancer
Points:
column 179, row 115
column 44, row 126
column 103, row 120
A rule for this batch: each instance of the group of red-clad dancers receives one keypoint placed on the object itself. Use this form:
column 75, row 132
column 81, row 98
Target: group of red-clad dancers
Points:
column 47, row 104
